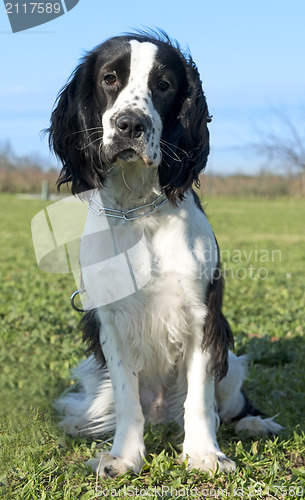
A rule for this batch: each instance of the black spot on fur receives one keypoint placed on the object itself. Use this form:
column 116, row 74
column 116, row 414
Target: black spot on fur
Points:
column 110, row 471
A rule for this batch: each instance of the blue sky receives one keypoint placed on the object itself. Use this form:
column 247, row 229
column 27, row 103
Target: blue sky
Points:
column 250, row 54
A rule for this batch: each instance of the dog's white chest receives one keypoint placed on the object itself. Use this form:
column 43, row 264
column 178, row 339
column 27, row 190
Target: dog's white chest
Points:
column 149, row 278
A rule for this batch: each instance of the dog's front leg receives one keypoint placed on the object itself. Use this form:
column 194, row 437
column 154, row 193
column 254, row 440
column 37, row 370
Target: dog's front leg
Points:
column 128, row 446
column 200, row 418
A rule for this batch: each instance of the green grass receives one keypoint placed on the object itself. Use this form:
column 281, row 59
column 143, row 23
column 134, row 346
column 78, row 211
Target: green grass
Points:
column 40, row 343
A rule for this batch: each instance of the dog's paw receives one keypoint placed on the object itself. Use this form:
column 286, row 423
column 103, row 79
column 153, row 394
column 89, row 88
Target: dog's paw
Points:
column 258, row 426
column 212, row 462
column 108, row 465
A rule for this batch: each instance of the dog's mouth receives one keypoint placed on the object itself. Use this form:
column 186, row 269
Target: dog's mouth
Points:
column 131, row 156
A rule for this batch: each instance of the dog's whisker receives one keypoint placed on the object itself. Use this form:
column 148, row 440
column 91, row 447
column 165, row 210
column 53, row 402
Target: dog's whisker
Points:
column 168, row 144
column 111, row 168
column 93, row 133
column 94, row 130
column 167, row 164
column 123, row 177
column 100, row 152
column 173, row 157
column 89, row 144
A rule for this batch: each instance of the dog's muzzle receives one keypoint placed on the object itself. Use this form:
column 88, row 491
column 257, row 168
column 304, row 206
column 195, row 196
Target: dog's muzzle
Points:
column 132, row 138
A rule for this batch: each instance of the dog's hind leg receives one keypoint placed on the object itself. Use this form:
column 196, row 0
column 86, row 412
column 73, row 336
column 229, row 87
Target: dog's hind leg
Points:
column 234, row 405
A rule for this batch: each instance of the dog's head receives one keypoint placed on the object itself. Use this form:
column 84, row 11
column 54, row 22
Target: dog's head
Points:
column 134, row 98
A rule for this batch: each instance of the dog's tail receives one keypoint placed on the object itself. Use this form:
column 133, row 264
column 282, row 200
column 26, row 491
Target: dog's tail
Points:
column 89, row 409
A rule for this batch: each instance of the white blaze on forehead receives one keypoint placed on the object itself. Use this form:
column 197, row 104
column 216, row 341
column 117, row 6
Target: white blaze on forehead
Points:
column 137, row 96
column 142, row 59
column 141, row 62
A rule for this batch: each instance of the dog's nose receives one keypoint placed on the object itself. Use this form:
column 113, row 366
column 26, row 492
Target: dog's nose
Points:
column 133, row 126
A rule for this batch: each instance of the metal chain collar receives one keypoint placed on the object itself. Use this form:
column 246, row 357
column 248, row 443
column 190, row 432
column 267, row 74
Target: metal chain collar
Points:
column 129, row 215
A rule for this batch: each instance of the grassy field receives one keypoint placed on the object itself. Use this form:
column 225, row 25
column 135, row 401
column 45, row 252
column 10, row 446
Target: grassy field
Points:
column 263, row 250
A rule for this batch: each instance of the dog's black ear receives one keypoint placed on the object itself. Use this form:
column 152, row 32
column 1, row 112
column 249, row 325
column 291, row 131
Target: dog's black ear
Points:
column 76, row 130
column 185, row 145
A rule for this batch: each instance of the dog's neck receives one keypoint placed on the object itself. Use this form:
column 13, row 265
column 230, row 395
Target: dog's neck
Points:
column 130, row 185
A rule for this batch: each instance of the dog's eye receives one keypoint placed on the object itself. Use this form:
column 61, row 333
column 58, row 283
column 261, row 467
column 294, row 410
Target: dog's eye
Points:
column 163, row 85
column 110, row 79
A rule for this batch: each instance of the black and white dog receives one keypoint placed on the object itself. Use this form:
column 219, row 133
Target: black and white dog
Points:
column 130, row 126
